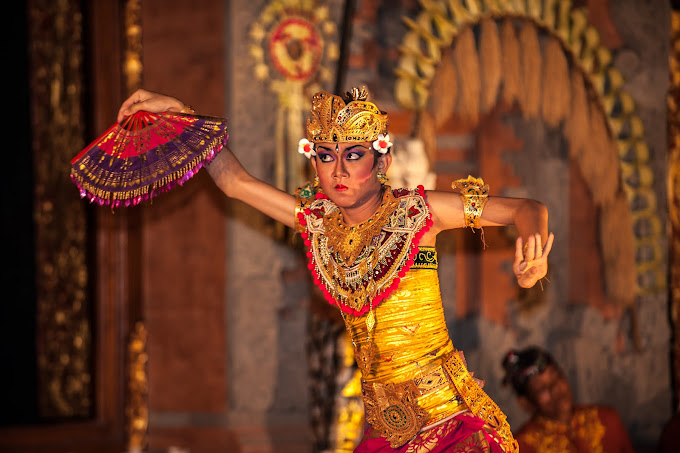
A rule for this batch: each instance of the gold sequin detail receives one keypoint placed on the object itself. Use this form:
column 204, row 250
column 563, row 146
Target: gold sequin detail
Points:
column 370, row 321
column 350, row 241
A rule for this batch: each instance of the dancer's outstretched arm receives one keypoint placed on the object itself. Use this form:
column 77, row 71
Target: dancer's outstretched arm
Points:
column 225, row 169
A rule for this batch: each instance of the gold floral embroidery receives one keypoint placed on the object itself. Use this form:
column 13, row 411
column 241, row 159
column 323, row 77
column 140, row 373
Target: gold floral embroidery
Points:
column 429, row 439
column 392, row 410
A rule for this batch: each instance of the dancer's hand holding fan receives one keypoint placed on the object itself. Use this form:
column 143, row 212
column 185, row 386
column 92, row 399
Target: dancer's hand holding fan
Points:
column 146, row 154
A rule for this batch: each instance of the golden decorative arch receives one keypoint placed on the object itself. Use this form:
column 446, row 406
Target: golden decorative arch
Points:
column 545, row 56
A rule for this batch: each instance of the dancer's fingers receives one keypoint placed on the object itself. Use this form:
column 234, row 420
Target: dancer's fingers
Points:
column 548, row 244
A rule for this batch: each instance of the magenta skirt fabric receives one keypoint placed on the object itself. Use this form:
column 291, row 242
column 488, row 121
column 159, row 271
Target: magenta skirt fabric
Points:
column 463, row 433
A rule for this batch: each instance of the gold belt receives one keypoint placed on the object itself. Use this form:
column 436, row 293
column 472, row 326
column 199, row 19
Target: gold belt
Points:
column 392, row 408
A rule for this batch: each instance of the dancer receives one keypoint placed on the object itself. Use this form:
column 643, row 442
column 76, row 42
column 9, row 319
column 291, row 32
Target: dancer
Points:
column 371, row 251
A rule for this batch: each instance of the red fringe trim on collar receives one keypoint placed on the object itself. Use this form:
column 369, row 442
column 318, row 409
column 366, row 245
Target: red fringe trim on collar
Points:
column 395, row 282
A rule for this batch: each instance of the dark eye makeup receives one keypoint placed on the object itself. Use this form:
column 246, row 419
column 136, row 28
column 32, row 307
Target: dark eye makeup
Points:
column 352, row 153
column 325, row 156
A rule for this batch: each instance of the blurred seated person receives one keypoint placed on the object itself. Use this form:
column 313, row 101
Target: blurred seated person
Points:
column 557, row 424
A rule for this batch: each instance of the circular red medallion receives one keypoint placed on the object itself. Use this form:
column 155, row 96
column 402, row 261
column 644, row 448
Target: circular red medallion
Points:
column 295, row 48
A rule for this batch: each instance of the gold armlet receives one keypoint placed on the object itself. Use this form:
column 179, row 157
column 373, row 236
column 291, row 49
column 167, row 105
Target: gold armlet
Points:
column 475, row 194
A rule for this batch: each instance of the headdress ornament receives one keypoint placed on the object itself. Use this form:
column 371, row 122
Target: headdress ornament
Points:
column 333, row 120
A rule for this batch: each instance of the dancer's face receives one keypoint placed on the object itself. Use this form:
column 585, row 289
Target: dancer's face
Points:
column 348, row 172
column 550, row 394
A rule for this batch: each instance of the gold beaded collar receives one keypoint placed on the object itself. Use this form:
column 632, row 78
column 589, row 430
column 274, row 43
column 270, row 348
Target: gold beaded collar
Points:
column 350, row 241
column 358, row 266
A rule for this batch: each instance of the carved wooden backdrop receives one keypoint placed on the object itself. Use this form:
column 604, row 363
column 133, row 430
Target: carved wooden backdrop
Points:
column 84, row 298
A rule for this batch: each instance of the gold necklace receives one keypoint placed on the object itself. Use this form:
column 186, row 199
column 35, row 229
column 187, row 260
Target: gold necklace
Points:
column 374, row 252
column 349, row 242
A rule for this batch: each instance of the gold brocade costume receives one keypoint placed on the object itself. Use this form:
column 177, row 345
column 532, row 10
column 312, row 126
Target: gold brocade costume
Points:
column 410, row 344
column 412, row 375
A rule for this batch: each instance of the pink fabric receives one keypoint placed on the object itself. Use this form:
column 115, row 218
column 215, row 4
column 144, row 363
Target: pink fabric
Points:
column 463, row 433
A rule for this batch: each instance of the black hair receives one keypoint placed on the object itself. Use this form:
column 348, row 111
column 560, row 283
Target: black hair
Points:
column 377, row 154
column 521, row 365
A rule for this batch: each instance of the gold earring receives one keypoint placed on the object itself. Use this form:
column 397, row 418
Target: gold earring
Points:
column 382, row 177
column 316, row 180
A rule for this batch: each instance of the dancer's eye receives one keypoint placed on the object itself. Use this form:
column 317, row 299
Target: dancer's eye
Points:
column 325, row 156
column 354, row 155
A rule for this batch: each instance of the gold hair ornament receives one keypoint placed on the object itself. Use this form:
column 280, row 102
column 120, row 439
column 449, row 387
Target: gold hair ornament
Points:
column 333, row 120
column 475, row 195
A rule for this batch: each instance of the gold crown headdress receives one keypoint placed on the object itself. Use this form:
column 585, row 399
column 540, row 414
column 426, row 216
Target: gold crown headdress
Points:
column 331, row 120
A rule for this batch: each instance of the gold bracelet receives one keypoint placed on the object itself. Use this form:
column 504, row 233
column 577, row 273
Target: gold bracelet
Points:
column 187, row 109
column 475, row 195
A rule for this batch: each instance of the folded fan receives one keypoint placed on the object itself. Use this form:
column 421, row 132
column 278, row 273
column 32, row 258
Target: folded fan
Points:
column 145, row 155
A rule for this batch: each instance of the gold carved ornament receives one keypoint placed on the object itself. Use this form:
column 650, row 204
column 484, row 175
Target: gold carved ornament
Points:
column 349, row 419
column 64, row 311
column 349, row 241
column 674, row 194
column 137, row 378
column 137, row 407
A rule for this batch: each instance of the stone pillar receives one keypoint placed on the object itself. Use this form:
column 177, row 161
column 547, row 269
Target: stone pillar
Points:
column 268, row 291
